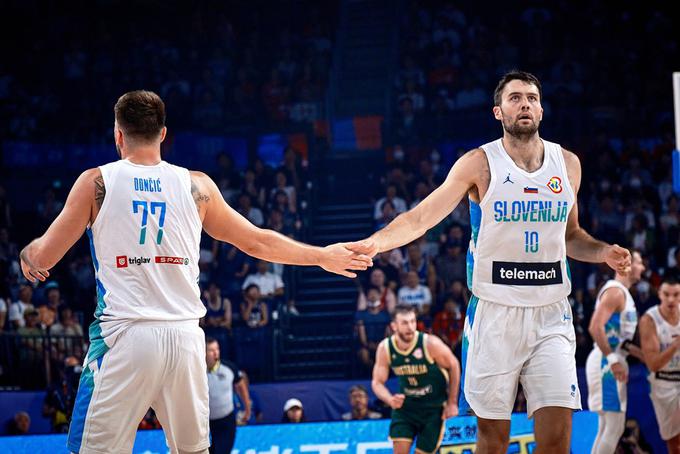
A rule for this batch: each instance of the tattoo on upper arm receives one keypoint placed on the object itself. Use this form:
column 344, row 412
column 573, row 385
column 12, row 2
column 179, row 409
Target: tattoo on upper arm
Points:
column 198, row 195
column 99, row 190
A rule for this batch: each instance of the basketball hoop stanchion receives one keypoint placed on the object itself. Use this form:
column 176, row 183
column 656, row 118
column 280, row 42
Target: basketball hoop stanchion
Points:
column 676, row 152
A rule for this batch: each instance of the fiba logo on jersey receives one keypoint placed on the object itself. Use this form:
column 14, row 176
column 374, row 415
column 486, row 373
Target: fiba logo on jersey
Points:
column 121, row 261
column 555, row 185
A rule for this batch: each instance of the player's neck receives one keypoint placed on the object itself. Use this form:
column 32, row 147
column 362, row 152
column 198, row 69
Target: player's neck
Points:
column 671, row 316
column 526, row 152
column 626, row 281
column 143, row 155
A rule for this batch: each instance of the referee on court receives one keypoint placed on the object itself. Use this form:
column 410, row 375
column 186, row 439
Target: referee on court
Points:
column 223, row 378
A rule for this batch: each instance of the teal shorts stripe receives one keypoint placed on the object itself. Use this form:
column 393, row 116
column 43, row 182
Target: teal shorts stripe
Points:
column 83, row 398
column 463, row 406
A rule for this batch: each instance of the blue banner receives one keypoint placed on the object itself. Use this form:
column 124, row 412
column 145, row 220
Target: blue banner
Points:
column 360, row 437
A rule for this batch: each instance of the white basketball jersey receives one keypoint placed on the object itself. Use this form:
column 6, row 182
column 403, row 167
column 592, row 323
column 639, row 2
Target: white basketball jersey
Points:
column 145, row 248
column 669, row 375
column 517, row 253
column 621, row 325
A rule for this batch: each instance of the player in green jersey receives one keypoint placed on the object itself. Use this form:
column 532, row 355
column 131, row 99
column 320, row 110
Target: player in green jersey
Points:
column 429, row 377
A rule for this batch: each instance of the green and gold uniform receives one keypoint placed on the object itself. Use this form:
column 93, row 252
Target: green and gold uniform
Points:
column 425, row 386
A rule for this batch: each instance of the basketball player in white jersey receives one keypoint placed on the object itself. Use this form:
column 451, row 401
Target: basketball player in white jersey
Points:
column 524, row 217
column 144, row 218
column 612, row 327
column 660, row 339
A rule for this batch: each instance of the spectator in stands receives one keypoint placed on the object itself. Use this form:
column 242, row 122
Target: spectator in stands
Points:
column 640, row 236
column 218, row 308
column 387, row 215
column 9, row 251
column 67, row 325
column 471, row 96
column 388, row 300
column 31, row 325
column 254, row 312
column 358, row 401
column 371, row 326
column 275, row 96
column 415, row 294
column 411, row 92
column 20, row 424
column 293, row 411
column 48, row 311
column 223, row 379
column 20, row 307
column 253, row 186
column 281, row 184
column 60, row 397
column 408, row 126
column 392, row 272
column 230, row 267
column 247, row 210
column 417, row 261
column 270, row 284
column 275, row 222
column 448, row 323
column 451, row 266
column 290, row 219
column 391, row 196
column 50, row 206
column 3, row 313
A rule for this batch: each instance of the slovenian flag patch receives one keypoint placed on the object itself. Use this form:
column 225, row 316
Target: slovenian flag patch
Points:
column 530, row 190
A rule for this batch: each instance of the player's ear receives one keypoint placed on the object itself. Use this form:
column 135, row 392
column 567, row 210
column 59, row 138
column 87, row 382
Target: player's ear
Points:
column 164, row 131
column 498, row 115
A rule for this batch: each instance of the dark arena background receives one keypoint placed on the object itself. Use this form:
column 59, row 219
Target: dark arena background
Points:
column 310, row 116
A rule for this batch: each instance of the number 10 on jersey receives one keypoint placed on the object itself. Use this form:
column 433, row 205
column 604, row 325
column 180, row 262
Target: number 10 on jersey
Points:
column 531, row 242
column 155, row 207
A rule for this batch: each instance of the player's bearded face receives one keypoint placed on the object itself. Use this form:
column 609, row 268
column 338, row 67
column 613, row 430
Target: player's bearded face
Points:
column 406, row 328
column 520, row 124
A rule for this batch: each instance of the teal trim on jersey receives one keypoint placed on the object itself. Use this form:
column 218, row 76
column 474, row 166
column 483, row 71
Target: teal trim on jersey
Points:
column 568, row 270
column 463, row 405
column 80, row 407
column 97, row 345
column 612, row 330
column 475, row 223
column 610, row 391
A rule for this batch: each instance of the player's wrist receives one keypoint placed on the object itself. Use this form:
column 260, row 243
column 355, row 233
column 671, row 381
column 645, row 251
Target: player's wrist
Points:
column 613, row 358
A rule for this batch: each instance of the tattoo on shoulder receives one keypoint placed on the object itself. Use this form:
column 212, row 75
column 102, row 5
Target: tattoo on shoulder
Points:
column 99, row 190
column 198, row 196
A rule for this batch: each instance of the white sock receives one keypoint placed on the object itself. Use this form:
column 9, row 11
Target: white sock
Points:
column 609, row 430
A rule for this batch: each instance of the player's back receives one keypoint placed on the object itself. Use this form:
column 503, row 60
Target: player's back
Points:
column 145, row 249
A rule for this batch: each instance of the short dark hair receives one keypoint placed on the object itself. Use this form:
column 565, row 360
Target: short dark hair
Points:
column 669, row 278
column 209, row 340
column 361, row 388
column 515, row 75
column 402, row 308
column 140, row 114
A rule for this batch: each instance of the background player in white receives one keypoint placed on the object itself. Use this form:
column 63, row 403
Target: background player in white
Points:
column 612, row 327
column 522, row 232
column 660, row 339
column 144, row 219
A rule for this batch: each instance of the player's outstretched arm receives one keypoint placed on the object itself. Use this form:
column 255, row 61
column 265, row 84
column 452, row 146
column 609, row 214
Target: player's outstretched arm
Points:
column 44, row 252
column 655, row 358
column 580, row 244
column 413, row 224
column 224, row 223
column 381, row 372
column 443, row 356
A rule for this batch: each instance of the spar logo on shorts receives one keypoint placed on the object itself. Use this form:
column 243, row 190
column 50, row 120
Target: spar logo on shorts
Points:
column 521, row 273
column 172, row 260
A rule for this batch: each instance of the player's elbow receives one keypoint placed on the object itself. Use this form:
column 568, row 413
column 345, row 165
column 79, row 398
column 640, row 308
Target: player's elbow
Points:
column 254, row 243
column 653, row 366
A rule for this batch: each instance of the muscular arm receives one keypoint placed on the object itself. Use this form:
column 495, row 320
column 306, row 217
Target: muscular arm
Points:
column 242, row 390
column 612, row 300
column 443, row 356
column 414, row 223
column 381, row 372
column 224, row 223
column 44, row 252
column 580, row 244
column 651, row 348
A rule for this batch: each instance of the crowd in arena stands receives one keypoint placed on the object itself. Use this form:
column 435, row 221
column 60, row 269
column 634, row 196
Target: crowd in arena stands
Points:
column 451, row 56
column 234, row 65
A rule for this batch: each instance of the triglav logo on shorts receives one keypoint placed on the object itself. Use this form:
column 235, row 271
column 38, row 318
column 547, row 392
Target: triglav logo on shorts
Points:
column 555, row 185
column 520, row 273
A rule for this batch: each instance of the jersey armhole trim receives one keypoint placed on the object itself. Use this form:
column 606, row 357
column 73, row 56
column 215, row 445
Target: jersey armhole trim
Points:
column 492, row 179
column 108, row 185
